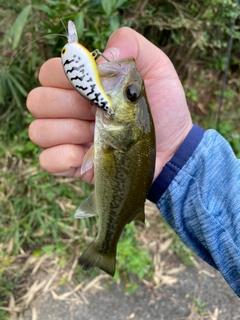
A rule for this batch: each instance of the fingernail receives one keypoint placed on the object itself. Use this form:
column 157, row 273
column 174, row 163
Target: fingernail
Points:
column 66, row 173
column 111, row 53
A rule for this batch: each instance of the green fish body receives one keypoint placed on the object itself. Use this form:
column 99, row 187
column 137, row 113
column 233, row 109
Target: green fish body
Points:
column 124, row 162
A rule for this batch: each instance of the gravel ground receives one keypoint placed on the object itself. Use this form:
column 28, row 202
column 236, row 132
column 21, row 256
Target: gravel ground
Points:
column 200, row 293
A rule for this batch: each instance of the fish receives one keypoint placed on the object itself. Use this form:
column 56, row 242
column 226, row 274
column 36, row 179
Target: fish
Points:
column 123, row 156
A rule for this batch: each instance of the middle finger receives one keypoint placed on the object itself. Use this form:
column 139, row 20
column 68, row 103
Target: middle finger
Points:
column 52, row 132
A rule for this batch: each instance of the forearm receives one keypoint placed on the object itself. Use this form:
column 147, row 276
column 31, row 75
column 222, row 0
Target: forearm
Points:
column 198, row 193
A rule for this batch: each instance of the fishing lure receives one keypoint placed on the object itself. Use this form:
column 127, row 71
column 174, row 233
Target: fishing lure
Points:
column 81, row 69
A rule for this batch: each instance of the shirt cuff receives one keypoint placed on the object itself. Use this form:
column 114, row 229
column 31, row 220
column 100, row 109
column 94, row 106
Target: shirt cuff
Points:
column 172, row 167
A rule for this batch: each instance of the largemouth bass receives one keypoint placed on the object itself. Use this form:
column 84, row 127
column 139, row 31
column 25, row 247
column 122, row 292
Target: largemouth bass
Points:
column 124, row 162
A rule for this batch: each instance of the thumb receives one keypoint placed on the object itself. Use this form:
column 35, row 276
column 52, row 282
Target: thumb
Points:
column 149, row 58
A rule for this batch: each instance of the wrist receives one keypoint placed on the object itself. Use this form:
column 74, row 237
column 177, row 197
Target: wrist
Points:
column 175, row 163
column 176, row 141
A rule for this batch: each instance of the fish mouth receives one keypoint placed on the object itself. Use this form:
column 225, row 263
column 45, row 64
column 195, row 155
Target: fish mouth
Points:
column 103, row 117
column 113, row 73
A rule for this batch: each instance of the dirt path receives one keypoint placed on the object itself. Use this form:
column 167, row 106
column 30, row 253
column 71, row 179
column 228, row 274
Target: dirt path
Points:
column 200, row 294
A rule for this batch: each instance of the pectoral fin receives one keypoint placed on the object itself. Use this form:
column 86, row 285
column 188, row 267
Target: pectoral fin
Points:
column 88, row 160
column 87, row 208
column 140, row 216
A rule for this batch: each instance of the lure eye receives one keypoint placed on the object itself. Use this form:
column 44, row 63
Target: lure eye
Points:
column 64, row 51
column 132, row 93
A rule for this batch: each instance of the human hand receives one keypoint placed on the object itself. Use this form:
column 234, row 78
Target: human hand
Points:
column 64, row 124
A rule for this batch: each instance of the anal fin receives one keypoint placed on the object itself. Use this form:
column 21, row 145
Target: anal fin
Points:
column 140, row 216
column 87, row 208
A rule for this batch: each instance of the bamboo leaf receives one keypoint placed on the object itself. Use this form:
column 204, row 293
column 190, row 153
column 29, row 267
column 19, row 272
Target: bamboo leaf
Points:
column 79, row 23
column 18, row 85
column 108, row 6
column 14, row 92
column 120, row 3
column 17, row 28
column 44, row 8
column 21, row 78
column 3, row 87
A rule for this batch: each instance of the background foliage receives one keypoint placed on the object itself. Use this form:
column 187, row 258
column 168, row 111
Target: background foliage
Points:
column 37, row 209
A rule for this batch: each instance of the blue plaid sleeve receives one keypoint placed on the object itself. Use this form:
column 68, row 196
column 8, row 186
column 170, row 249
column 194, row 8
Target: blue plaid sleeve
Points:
column 198, row 193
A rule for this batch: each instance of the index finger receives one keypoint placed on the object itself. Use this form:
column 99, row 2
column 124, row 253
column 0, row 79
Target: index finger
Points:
column 57, row 98
column 52, row 74
column 54, row 103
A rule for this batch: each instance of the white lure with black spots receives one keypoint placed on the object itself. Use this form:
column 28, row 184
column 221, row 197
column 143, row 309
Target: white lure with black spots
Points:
column 81, row 69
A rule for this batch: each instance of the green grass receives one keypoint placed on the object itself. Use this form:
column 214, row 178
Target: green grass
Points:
column 35, row 205
column 133, row 261
column 199, row 306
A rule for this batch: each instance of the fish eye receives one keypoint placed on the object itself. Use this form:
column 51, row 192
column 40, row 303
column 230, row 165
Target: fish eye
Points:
column 132, row 93
column 64, row 51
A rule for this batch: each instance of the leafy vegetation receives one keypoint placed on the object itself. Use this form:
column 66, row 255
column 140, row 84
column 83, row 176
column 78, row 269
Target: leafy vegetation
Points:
column 133, row 262
column 199, row 306
column 37, row 209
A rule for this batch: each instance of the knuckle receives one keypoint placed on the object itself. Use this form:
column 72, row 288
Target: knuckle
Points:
column 75, row 129
column 73, row 157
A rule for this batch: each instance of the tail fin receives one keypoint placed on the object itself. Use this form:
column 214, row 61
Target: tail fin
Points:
column 91, row 257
